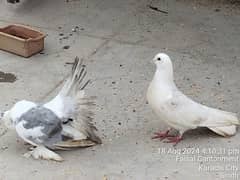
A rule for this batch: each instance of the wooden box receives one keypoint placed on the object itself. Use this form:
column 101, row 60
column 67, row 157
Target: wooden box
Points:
column 21, row 40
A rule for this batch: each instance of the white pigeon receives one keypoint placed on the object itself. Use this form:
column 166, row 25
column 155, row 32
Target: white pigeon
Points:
column 63, row 123
column 180, row 112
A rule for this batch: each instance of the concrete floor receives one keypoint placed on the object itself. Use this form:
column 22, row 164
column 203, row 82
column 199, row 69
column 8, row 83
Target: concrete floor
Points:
column 118, row 40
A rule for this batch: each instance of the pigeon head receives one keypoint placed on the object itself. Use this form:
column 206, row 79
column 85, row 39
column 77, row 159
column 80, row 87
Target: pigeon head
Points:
column 6, row 118
column 11, row 116
column 162, row 60
column 164, row 66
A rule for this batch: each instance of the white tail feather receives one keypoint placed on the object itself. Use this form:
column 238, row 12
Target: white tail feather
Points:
column 219, row 118
column 225, row 131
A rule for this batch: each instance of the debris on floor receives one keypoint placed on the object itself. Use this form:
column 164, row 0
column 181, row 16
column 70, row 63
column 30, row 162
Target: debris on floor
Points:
column 7, row 77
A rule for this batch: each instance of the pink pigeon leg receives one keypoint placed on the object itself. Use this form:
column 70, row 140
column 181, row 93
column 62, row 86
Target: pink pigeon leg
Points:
column 174, row 139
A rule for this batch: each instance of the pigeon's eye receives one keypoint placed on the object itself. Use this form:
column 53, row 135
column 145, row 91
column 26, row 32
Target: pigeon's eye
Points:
column 159, row 59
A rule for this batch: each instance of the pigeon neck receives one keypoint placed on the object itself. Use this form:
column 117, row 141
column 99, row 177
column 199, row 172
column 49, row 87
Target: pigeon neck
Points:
column 164, row 76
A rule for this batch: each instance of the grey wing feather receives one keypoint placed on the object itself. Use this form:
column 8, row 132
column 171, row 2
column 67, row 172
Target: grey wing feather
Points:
column 49, row 123
column 196, row 114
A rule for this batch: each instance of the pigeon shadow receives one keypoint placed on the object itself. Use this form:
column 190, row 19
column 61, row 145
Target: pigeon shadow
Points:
column 202, row 132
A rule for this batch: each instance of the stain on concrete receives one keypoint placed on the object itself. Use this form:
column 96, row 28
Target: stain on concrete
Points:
column 7, row 77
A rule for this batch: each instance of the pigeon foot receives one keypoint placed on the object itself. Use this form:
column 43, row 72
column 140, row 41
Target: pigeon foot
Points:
column 162, row 135
column 175, row 140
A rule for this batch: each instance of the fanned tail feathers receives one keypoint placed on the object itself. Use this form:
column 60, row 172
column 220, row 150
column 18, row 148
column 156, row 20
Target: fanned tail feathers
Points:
column 85, row 116
column 74, row 87
column 74, row 82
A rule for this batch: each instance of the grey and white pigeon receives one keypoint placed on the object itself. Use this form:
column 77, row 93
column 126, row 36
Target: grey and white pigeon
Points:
column 180, row 112
column 65, row 122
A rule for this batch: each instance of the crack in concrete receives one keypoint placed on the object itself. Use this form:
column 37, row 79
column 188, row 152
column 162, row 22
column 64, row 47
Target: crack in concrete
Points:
column 110, row 38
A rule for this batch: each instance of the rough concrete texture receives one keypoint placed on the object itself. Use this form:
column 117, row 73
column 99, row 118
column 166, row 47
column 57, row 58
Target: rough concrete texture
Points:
column 118, row 40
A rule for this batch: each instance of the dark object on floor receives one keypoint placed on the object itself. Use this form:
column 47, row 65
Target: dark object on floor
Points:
column 13, row 1
column 66, row 47
column 7, row 77
column 157, row 9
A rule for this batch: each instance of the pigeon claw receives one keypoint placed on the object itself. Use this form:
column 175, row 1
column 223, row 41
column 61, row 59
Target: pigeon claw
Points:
column 175, row 140
column 162, row 135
